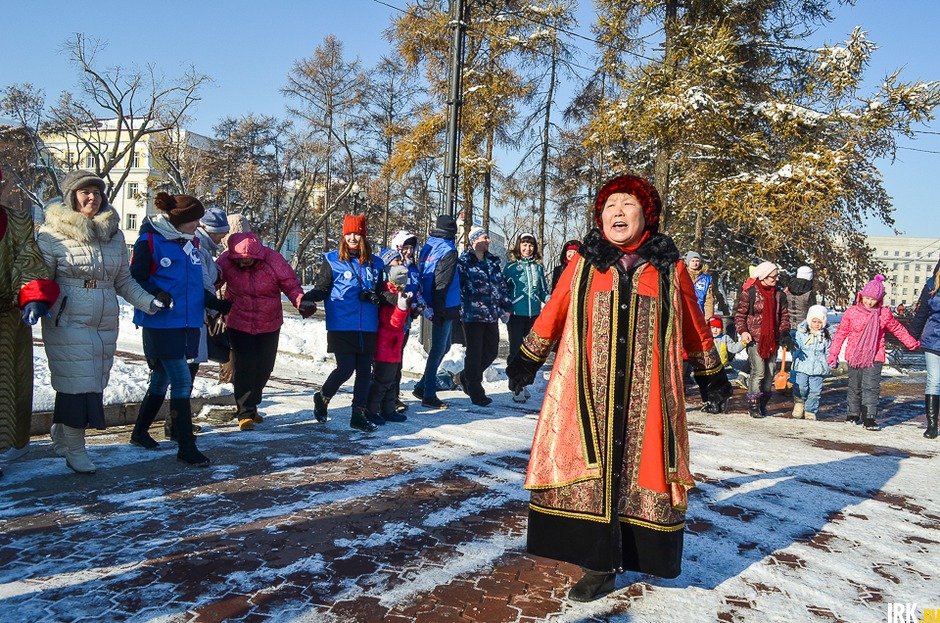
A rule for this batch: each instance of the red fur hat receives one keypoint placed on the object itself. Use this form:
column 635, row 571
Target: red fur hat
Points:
column 354, row 224
column 645, row 193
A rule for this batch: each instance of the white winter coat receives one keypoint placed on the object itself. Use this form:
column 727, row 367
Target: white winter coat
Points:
column 88, row 259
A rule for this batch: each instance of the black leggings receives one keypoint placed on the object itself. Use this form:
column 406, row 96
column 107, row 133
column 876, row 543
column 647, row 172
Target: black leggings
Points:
column 253, row 357
column 346, row 365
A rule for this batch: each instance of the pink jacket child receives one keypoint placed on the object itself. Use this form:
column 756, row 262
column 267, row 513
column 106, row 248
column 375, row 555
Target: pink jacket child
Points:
column 852, row 326
column 391, row 335
column 862, row 330
column 255, row 291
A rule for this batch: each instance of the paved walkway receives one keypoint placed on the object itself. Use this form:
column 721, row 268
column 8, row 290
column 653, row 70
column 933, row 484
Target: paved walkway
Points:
column 299, row 521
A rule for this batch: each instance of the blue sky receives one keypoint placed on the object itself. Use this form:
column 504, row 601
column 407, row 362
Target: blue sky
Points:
column 248, row 48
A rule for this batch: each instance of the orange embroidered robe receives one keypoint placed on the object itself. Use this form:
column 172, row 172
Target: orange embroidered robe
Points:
column 609, row 469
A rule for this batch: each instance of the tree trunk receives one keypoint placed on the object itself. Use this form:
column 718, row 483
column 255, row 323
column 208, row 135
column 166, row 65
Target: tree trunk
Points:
column 546, row 133
column 664, row 156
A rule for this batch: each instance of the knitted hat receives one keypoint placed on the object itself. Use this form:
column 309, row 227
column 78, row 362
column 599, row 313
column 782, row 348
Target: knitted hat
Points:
column 817, row 311
column 78, row 179
column 445, row 227
column 237, row 223
column 645, row 193
column 179, row 208
column 804, row 272
column 215, row 221
column 404, row 238
column 874, row 288
column 691, row 255
column 354, row 224
column 763, row 270
column 398, row 275
column 716, row 321
column 389, row 255
column 475, row 233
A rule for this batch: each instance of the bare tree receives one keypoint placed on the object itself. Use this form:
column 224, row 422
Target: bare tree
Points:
column 137, row 102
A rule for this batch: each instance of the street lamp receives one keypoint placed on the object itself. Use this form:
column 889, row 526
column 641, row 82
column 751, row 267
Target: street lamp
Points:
column 358, row 197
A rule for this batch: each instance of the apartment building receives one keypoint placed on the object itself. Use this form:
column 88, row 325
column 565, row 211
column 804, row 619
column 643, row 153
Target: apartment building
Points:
column 908, row 262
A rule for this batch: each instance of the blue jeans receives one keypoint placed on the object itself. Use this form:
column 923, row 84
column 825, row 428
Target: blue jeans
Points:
column 173, row 373
column 440, row 343
column 933, row 374
column 807, row 388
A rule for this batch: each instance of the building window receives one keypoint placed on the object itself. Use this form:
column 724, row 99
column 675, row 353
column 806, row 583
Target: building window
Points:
column 69, row 158
column 89, row 160
column 886, row 252
column 904, row 292
column 131, row 223
column 905, row 279
column 916, row 278
column 897, row 253
column 907, row 254
column 132, row 190
column 136, row 163
column 893, row 302
column 895, row 266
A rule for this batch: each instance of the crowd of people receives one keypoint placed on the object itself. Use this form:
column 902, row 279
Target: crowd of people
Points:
column 626, row 315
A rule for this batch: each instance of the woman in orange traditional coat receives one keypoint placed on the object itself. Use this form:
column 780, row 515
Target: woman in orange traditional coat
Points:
column 609, row 469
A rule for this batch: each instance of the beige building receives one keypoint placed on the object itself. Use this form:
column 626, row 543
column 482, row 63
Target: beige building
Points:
column 134, row 201
column 908, row 262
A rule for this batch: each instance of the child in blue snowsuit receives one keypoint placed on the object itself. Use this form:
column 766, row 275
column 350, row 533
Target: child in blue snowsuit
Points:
column 811, row 342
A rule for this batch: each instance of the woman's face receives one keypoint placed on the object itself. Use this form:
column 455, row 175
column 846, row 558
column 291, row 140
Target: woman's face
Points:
column 869, row 302
column 352, row 240
column 526, row 248
column 570, row 254
column 245, row 262
column 188, row 228
column 88, row 201
column 622, row 219
column 771, row 279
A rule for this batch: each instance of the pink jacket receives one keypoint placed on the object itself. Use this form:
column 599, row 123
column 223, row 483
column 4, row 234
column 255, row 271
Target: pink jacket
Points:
column 391, row 335
column 255, row 291
column 853, row 323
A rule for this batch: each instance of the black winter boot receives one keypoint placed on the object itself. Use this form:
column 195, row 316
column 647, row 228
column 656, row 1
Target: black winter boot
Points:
column 853, row 418
column 868, row 420
column 181, row 411
column 762, row 403
column 320, row 404
column 360, row 420
column 592, row 585
column 753, row 406
column 149, row 407
column 932, row 403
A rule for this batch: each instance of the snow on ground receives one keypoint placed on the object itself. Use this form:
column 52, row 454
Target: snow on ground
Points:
column 789, row 517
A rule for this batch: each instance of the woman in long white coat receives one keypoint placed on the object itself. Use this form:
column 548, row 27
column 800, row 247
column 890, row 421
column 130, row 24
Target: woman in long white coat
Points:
column 85, row 253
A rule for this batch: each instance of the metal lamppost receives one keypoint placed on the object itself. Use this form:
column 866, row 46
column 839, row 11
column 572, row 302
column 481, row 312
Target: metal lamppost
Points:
column 358, row 197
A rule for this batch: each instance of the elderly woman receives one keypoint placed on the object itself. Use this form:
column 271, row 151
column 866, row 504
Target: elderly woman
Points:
column 255, row 276
column 609, row 468
column 761, row 319
column 86, row 255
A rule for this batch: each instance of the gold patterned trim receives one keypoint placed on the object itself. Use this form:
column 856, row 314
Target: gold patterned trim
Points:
column 652, row 526
column 569, row 514
column 536, row 347
column 556, row 485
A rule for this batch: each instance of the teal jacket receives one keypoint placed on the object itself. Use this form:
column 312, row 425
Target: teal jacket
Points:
column 528, row 291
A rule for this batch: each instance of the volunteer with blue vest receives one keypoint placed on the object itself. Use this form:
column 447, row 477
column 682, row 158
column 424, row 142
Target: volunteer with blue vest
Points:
column 348, row 282
column 702, row 282
column 166, row 262
column 441, row 287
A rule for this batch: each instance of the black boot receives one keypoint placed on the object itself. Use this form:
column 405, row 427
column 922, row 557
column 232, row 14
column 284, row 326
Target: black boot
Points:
column 932, row 402
column 762, row 403
column 320, row 404
column 181, row 411
column 360, row 420
column 853, row 418
column 868, row 420
column 149, row 407
column 753, row 406
column 594, row 584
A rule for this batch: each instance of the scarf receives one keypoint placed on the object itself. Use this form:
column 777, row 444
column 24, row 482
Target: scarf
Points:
column 767, row 342
column 864, row 354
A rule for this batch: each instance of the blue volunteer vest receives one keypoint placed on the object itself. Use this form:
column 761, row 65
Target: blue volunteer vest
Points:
column 344, row 310
column 431, row 254
column 180, row 274
column 701, row 289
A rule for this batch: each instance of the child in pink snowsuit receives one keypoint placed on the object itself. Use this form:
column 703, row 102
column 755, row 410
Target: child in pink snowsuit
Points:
column 862, row 329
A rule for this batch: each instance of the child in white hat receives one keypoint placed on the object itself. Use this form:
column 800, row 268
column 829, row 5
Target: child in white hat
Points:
column 811, row 342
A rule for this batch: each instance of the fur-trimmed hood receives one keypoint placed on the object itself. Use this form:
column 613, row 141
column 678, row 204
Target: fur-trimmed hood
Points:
column 660, row 251
column 76, row 226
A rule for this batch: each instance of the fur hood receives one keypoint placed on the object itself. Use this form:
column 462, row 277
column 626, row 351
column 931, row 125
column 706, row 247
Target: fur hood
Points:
column 75, row 226
column 660, row 251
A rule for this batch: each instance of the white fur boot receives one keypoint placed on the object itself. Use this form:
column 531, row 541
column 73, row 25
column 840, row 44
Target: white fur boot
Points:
column 58, row 444
column 76, row 457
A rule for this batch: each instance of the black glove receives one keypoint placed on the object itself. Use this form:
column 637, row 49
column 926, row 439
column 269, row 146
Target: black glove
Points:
column 306, row 308
column 220, row 305
column 522, row 370
column 164, row 297
column 714, row 388
column 786, row 341
column 33, row 311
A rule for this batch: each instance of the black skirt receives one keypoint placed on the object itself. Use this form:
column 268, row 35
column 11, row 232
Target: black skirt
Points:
column 79, row 410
